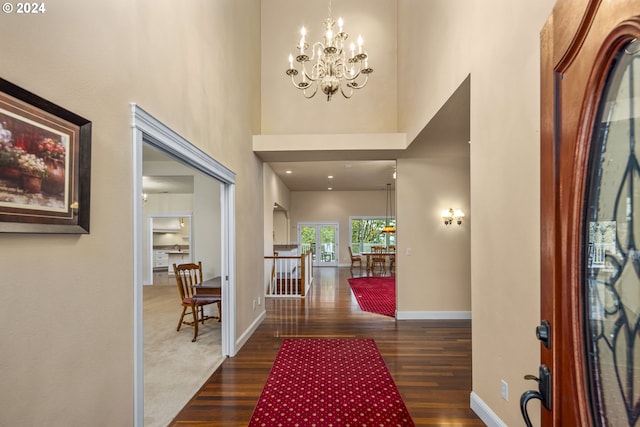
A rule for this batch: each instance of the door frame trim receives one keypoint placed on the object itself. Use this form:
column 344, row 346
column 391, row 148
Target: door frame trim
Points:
column 146, row 129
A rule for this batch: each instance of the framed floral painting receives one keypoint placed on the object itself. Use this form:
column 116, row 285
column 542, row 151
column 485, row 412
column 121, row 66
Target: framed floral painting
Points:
column 45, row 165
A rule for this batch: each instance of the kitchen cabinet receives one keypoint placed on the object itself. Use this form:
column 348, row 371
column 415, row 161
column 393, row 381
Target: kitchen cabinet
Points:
column 160, row 258
column 177, row 257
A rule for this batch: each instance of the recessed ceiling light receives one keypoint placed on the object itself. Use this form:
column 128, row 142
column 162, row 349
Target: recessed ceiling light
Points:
column 330, row 188
column 330, row 177
column 288, row 171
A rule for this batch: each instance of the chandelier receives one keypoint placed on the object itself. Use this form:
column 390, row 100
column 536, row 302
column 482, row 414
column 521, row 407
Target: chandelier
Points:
column 329, row 68
column 388, row 228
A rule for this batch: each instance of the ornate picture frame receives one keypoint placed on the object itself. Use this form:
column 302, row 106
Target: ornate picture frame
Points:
column 45, row 165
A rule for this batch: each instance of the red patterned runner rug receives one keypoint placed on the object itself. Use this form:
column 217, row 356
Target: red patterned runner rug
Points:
column 322, row 382
column 375, row 294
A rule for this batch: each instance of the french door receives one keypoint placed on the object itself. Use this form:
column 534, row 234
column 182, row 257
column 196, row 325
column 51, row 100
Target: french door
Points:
column 322, row 240
column 590, row 186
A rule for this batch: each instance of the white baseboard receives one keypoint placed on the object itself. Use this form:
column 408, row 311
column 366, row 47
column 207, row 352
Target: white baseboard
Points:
column 433, row 315
column 485, row 413
column 250, row 330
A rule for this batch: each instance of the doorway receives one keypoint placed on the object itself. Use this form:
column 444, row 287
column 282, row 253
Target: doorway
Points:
column 169, row 239
column 322, row 240
column 149, row 131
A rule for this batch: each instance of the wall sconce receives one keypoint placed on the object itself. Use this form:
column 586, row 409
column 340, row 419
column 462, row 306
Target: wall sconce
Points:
column 144, row 197
column 450, row 215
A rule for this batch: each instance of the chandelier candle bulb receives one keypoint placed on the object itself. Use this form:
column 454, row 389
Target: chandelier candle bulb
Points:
column 303, row 32
column 340, row 23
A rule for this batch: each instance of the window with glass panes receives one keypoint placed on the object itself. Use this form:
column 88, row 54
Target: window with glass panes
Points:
column 367, row 232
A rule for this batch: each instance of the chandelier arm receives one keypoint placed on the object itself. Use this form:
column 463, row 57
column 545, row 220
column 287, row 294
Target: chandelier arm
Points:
column 355, row 76
column 314, row 51
column 296, row 85
column 357, row 85
column 315, row 90
column 345, row 94
column 364, row 83
column 309, row 77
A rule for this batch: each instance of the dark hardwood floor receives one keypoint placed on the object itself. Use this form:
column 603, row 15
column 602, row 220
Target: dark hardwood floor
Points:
column 430, row 360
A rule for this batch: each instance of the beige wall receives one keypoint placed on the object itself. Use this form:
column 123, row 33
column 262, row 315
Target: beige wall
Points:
column 433, row 259
column 274, row 192
column 280, row 227
column 67, row 336
column 497, row 43
column 286, row 111
column 505, row 165
column 434, row 57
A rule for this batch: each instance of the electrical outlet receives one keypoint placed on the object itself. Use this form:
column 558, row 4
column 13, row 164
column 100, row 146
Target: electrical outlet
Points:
column 504, row 390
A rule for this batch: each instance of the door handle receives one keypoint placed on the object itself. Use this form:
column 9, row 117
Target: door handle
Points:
column 543, row 393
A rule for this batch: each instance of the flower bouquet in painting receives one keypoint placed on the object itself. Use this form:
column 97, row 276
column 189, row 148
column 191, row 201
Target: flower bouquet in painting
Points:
column 33, row 172
column 31, row 163
column 53, row 153
column 10, row 160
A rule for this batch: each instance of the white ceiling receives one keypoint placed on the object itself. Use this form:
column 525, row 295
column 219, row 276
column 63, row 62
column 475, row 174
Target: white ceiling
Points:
column 182, row 184
column 305, row 176
column 346, row 175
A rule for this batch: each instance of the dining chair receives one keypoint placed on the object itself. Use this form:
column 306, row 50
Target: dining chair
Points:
column 355, row 258
column 392, row 257
column 378, row 258
column 187, row 276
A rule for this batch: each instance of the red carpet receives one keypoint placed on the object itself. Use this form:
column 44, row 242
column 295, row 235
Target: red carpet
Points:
column 375, row 294
column 321, row 382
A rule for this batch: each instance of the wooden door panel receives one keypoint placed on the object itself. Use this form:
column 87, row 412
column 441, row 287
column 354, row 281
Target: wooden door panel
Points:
column 577, row 45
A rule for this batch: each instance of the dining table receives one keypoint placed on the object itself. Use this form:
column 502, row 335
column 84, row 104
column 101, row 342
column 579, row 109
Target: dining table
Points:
column 210, row 289
column 369, row 255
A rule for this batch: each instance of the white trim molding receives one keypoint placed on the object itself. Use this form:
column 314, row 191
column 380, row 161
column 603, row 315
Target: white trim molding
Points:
column 485, row 413
column 148, row 130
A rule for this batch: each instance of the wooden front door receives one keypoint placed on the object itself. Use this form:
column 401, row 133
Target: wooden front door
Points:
column 590, row 194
